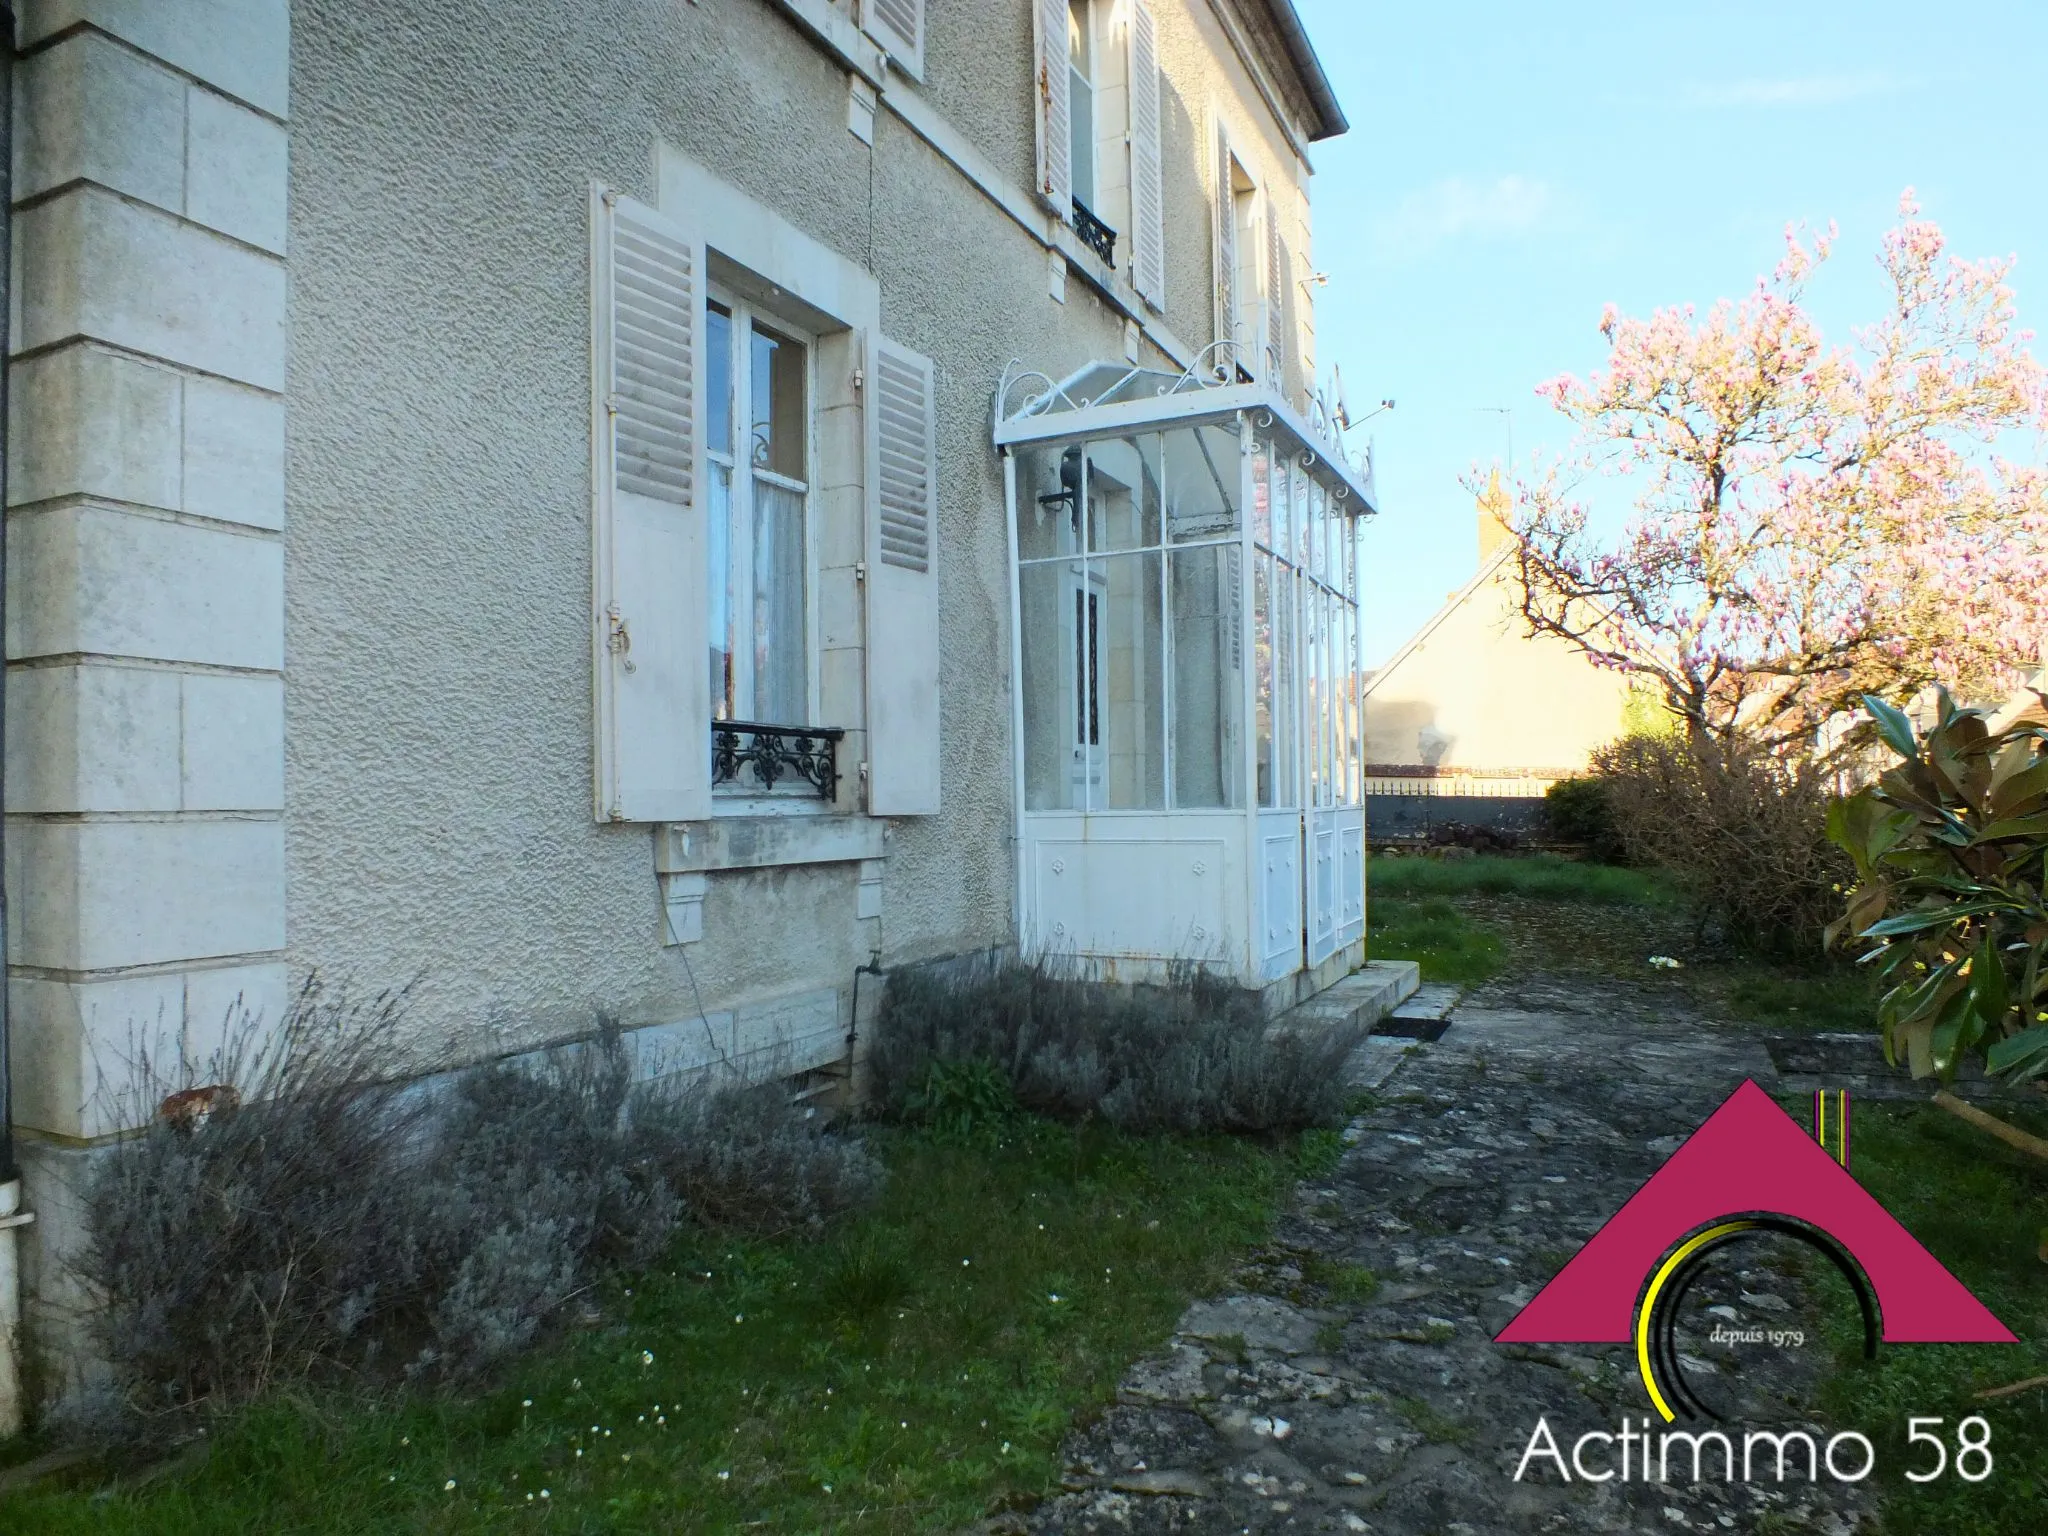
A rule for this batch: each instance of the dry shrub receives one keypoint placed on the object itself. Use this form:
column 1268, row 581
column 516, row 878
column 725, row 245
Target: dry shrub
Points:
column 321, row 1222
column 1745, row 831
column 1192, row 1055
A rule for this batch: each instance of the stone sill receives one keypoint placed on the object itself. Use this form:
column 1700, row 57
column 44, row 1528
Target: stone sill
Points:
column 765, row 842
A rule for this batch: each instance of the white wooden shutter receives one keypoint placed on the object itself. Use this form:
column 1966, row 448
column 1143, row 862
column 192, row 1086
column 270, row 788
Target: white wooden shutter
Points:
column 1054, row 91
column 1276, row 296
column 1226, row 257
column 898, row 25
column 1148, row 203
column 903, row 586
column 653, row 686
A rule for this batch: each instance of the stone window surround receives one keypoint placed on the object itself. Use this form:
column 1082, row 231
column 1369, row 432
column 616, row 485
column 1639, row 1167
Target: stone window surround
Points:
column 755, row 252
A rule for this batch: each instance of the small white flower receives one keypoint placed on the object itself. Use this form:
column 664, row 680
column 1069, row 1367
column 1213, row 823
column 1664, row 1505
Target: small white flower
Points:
column 449, row 1486
column 903, row 1424
column 544, row 1493
column 827, row 1487
column 738, row 1317
column 579, row 1450
column 965, row 1262
column 1053, row 1297
column 647, row 1357
column 1666, row 963
column 1006, row 1448
column 723, row 1476
column 526, row 1402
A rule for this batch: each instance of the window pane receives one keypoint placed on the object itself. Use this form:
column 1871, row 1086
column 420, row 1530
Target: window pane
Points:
column 1200, row 470
column 1208, row 678
column 1262, row 681
column 776, row 367
column 718, row 379
column 1048, row 502
column 1122, row 509
column 1299, row 532
column 781, row 662
column 1262, row 492
column 724, row 695
column 1055, row 774
column 1286, row 689
column 1282, row 497
column 1127, row 670
column 1081, row 101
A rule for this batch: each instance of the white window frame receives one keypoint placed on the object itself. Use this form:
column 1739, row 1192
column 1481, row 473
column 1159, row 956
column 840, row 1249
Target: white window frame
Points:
column 744, row 313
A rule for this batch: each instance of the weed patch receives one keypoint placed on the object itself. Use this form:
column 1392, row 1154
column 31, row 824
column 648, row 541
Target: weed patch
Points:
column 1540, row 877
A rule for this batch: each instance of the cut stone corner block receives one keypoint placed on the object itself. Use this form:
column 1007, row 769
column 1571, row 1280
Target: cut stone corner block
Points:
column 95, row 1058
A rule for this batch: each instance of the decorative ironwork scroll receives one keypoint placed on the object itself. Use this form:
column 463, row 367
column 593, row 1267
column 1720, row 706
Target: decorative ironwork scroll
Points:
column 775, row 752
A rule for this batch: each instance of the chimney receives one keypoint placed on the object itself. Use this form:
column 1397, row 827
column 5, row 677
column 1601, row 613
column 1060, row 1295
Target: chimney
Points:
column 1493, row 510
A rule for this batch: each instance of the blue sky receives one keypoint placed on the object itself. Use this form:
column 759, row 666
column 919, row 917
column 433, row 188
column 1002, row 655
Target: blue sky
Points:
column 1512, row 168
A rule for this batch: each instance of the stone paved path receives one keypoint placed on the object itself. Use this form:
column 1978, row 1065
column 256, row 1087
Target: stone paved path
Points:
column 1489, row 1156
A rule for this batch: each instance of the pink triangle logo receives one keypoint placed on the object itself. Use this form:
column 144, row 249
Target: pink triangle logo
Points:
column 1750, row 1164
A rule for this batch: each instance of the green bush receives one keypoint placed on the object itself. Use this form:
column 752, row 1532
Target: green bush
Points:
column 1579, row 811
column 1951, row 851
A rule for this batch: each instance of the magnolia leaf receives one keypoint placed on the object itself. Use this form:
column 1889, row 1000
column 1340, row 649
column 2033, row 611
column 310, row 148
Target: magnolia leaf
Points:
column 2009, row 790
column 1919, row 1056
column 2016, row 826
column 2027, row 1045
column 1893, row 726
column 1921, row 922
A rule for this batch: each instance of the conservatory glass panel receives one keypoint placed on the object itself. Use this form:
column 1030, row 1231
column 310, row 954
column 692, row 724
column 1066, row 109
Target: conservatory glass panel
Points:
column 1283, row 504
column 1208, row 677
column 1262, row 492
column 1048, row 502
column 1057, row 761
column 1286, row 686
column 1297, row 550
column 1199, row 468
column 1125, row 671
column 1262, row 679
column 1122, row 492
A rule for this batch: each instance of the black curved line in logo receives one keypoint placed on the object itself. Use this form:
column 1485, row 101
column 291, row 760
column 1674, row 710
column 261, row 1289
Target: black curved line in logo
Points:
column 1666, row 1288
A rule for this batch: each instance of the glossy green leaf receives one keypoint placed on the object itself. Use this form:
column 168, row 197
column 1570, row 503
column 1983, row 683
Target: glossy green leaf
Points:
column 1892, row 725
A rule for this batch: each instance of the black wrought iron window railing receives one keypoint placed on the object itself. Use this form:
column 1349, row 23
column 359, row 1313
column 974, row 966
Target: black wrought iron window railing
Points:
column 775, row 758
column 1095, row 234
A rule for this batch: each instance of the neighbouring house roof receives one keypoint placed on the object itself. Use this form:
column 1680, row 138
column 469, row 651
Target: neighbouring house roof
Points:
column 1457, row 600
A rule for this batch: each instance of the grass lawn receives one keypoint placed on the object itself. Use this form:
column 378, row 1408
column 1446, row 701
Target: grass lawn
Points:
column 1982, row 1209
column 1543, row 877
column 910, row 1371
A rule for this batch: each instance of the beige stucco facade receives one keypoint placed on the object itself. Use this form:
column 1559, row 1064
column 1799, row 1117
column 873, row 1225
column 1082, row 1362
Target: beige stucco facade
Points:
column 1474, row 704
column 300, row 630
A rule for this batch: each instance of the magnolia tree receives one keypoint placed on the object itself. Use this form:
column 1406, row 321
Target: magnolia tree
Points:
column 1812, row 522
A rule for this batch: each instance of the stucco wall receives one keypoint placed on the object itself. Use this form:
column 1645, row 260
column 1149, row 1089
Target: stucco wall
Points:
column 1478, row 692
column 438, row 501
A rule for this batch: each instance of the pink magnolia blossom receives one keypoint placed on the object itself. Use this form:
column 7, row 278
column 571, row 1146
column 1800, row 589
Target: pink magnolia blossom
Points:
column 1811, row 522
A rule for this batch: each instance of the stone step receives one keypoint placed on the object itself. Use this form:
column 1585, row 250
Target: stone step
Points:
column 1432, row 1000
column 1364, row 997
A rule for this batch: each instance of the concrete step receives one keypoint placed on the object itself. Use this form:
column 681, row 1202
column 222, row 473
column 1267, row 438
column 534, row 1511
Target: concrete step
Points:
column 1364, row 997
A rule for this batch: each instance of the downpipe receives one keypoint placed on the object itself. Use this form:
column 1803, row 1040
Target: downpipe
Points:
column 12, row 1217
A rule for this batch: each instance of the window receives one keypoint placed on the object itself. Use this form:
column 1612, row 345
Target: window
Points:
column 1081, row 99
column 758, row 449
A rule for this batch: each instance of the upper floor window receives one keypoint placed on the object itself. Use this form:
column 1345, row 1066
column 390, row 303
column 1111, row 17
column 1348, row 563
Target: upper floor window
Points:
column 757, row 448
column 1081, row 110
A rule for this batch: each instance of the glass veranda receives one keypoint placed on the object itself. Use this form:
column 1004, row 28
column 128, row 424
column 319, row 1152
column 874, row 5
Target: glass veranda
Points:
column 1186, row 600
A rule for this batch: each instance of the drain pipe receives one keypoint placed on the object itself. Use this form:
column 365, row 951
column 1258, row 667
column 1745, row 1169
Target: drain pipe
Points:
column 12, row 1217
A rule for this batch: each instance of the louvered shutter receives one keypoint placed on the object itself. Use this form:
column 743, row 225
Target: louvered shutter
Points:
column 1226, row 258
column 653, row 753
column 898, row 25
column 1054, row 92
column 903, row 587
column 1148, row 204
column 1276, row 297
